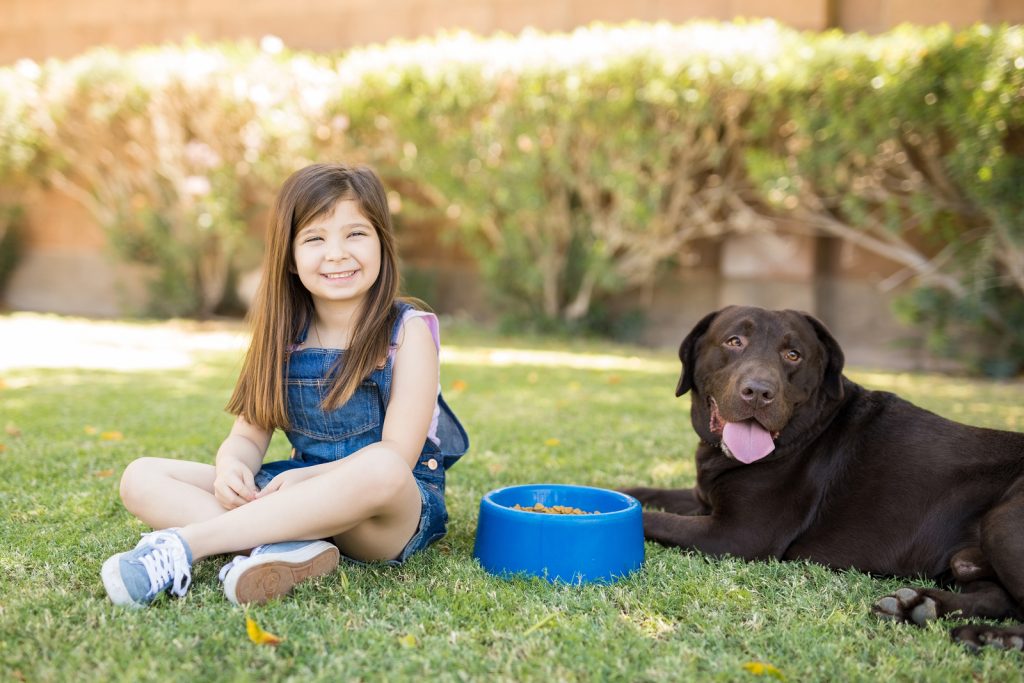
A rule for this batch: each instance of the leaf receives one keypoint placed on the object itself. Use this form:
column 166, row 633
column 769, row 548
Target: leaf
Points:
column 2, row 448
column 90, row 430
column 12, row 429
column 459, row 385
column 103, row 474
column 552, row 441
column 408, row 640
column 764, row 669
column 111, row 436
column 258, row 635
column 540, row 624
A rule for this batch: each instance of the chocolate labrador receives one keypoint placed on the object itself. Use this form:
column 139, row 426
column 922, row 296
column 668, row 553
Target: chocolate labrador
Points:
column 797, row 462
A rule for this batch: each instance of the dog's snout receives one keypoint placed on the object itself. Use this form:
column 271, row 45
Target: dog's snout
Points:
column 758, row 392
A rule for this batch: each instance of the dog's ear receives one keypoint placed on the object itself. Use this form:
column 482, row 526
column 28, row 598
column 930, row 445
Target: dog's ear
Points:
column 688, row 353
column 834, row 358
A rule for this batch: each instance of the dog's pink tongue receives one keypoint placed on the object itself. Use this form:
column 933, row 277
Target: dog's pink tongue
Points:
column 747, row 441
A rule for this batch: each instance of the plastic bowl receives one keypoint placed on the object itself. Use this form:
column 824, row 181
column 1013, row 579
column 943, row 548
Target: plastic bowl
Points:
column 570, row 548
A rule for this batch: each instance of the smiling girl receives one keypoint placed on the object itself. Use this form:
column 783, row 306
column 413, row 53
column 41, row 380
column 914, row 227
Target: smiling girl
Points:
column 349, row 371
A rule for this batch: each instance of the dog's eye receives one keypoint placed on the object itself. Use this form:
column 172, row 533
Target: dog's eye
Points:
column 734, row 341
column 792, row 355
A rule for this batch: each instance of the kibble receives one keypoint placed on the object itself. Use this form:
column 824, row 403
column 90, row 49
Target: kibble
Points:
column 554, row 509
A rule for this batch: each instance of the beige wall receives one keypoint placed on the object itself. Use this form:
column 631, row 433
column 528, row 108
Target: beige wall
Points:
column 61, row 28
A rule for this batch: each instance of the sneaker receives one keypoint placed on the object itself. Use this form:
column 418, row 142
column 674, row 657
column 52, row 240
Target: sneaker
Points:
column 160, row 561
column 271, row 570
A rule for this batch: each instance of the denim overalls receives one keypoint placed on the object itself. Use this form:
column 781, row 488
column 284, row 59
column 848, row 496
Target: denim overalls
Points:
column 320, row 436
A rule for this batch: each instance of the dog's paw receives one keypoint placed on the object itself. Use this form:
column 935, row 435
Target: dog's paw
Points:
column 907, row 605
column 977, row 636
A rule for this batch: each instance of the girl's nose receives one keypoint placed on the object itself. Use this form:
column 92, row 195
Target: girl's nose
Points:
column 335, row 250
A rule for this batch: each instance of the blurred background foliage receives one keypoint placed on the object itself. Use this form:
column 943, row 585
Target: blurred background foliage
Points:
column 571, row 166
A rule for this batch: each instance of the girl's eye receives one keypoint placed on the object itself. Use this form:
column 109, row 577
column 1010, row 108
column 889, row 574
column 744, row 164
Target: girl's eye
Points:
column 311, row 238
column 734, row 341
column 792, row 355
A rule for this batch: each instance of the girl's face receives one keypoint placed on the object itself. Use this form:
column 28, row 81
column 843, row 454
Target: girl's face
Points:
column 338, row 257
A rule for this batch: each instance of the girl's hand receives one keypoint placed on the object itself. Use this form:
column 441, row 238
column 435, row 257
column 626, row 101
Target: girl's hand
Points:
column 234, row 485
column 286, row 478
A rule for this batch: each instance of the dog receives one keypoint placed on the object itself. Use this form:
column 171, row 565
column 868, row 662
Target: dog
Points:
column 797, row 462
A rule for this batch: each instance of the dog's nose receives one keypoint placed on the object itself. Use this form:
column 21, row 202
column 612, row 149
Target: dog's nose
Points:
column 757, row 392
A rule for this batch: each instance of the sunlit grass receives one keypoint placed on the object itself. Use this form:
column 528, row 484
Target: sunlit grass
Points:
column 582, row 412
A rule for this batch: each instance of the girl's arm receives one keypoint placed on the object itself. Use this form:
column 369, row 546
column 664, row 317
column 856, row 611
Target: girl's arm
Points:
column 413, row 391
column 238, row 459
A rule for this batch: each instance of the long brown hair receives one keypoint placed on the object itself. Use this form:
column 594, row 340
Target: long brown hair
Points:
column 283, row 308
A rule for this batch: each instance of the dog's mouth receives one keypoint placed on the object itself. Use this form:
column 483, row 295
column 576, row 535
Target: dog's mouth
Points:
column 746, row 440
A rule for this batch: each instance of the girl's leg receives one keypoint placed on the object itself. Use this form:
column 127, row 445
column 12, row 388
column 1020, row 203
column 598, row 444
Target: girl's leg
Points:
column 170, row 493
column 369, row 503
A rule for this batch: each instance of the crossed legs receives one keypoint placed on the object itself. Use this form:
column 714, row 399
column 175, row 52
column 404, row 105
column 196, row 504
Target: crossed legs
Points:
column 370, row 504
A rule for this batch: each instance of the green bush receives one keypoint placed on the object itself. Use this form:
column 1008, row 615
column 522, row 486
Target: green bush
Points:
column 911, row 145
column 575, row 167
column 176, row 151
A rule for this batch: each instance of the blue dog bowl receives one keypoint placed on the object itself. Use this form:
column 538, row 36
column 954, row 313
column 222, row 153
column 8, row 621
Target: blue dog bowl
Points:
column 570, row 548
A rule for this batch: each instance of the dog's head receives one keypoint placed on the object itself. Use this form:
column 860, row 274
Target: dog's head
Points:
column 758, row 377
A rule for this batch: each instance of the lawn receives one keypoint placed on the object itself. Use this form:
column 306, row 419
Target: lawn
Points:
column 584, row 413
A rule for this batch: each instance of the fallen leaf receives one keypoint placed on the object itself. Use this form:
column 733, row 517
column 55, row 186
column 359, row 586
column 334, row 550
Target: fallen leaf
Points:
column 408, row 640
column 552, row 442
column 763, row 669
column 2, row 448
column 543, row 622
column 12, row 429
column 257, row 634
column 532, row 378
column 111, row 436
column 103, row 474
column 90, row 430
column 459, row 385
column 614, row 379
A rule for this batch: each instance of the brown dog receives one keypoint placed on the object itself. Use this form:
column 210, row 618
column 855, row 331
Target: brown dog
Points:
column 798, row 462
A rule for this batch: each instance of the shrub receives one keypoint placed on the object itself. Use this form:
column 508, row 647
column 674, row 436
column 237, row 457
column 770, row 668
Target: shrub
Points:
column 573, row 166
column 176, row 150
column 910, row 145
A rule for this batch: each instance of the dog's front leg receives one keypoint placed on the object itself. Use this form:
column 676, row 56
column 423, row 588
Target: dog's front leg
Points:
column 676, row 501
column 708, row 535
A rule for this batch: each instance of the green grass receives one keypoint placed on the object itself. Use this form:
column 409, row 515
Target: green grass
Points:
column 683, row 617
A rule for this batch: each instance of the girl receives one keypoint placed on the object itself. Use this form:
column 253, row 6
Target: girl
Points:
column 350, row 373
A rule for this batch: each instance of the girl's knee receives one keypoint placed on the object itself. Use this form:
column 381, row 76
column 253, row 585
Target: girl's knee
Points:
column 386, row 475
column 135, row 479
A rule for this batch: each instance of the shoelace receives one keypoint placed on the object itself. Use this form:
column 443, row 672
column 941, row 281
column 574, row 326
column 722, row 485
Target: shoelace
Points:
column 223, row 573
column 166, row 562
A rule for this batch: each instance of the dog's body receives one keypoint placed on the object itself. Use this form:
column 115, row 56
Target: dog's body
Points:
column 798, row 462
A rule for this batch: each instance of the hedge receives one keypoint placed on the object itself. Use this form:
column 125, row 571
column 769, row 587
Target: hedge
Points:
column 573, row 166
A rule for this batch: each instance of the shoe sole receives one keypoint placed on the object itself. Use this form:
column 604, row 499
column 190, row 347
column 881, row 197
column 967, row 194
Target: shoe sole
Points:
column 263, row 579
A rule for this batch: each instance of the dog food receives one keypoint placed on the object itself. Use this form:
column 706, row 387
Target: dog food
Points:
column 554, row 509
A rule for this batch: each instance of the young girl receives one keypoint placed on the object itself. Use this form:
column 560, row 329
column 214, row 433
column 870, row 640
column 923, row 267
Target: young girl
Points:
column 350, row 373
